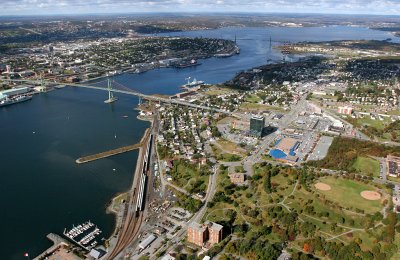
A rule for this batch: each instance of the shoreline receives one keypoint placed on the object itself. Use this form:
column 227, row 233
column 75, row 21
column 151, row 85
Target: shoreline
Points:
column 58, row 240
column 131, row 70
column 110, row 205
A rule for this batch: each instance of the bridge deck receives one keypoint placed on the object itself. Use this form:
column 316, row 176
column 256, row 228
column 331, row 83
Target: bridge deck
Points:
column 109, row 153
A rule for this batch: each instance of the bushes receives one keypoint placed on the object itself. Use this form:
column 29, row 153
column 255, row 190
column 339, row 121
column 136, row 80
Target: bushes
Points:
column 344, row 152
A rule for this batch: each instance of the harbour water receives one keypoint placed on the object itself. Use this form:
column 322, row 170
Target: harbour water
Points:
column 43, row 190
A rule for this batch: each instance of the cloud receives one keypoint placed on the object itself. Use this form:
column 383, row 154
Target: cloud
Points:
column 115, row 6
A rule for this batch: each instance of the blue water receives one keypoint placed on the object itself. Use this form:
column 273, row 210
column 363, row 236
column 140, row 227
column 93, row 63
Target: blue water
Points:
column 43, row 190
column 255, row 51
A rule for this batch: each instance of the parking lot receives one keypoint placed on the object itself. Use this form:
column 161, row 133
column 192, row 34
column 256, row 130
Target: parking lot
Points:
column 321, row 149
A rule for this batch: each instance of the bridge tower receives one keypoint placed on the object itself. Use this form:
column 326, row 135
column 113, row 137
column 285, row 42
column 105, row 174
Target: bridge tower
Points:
column 111, row 97
column 270, row 42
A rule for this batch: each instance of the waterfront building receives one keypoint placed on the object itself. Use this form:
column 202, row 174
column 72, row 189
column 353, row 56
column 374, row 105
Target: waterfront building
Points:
column 257, row 124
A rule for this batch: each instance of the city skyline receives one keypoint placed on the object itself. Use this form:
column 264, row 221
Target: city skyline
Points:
column 46, row 7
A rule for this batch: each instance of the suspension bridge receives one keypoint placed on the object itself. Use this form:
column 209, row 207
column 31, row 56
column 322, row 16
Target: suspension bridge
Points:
column 113, row 86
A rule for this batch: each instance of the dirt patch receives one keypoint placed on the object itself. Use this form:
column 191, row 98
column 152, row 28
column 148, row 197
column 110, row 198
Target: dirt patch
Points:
column 322, row 186
column 370, row 195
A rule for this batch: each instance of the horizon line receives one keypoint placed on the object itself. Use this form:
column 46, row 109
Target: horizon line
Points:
column 190, row 12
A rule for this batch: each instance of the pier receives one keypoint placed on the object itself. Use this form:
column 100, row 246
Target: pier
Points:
column 109, row 153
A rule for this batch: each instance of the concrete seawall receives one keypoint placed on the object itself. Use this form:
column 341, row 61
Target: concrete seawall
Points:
column 109, row 153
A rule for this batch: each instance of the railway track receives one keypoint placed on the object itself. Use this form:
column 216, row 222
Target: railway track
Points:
column 133, row 217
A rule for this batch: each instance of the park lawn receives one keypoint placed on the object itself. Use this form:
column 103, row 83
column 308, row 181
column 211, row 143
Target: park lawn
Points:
column 186, row 174
column 367, row 166
column 189, row 185
column 396, row 242
column 347, row 194
column 283, row 188
column 218, row 212
column 253, row 99
column 335, row 215
column 378, row 124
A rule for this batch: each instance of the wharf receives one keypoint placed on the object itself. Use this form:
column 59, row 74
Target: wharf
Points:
column 57, row 242
column 109, row 153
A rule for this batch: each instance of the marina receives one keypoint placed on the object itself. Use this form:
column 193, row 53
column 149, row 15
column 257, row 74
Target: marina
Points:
column 85, row 235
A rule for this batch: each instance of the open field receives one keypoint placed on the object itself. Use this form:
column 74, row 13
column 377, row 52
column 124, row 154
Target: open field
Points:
column 251, row 107
column 118, row 201
column 188, row 176
column 367, row 166
column 215, row 91
column 224, row 156
column 230, row 147
column 253, row 99
column 322, row 186
column 348, row 194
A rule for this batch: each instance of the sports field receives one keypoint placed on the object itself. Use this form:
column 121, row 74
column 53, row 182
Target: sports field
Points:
column 348, row 194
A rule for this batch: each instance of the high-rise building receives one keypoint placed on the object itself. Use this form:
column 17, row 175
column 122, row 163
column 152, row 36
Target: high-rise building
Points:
column 197, row 234
column 257, row 124
column 215, row 232
column 209, row 233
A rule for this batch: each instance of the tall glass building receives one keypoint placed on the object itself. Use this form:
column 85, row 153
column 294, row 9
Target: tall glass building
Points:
column 257, row 124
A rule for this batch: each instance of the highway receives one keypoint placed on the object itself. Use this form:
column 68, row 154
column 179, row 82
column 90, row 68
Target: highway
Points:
column 132, row 93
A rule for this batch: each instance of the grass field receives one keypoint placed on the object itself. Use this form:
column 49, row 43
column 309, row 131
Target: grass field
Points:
column 223, row 156
column 347, row 193
column 378, row 124
column 215, row 91
column 230, row 147
column 118, row 201
column 253, row 99
column 367, row 166
column 249, row 107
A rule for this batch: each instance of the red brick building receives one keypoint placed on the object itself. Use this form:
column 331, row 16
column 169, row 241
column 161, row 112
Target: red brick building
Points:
column 200, row 234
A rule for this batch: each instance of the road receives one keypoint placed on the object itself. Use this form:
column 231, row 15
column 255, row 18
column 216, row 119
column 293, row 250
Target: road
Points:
column 133, row 93
column 198, row 215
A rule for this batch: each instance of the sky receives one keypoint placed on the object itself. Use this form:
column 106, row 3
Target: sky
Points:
column 45, row 7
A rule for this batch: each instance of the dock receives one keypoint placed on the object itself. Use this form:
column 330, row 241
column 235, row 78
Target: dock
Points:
column 57, row 243
column 109, row 153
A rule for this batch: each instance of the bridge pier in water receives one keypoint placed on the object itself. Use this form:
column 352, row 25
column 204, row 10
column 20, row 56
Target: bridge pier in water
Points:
column 111, row 97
